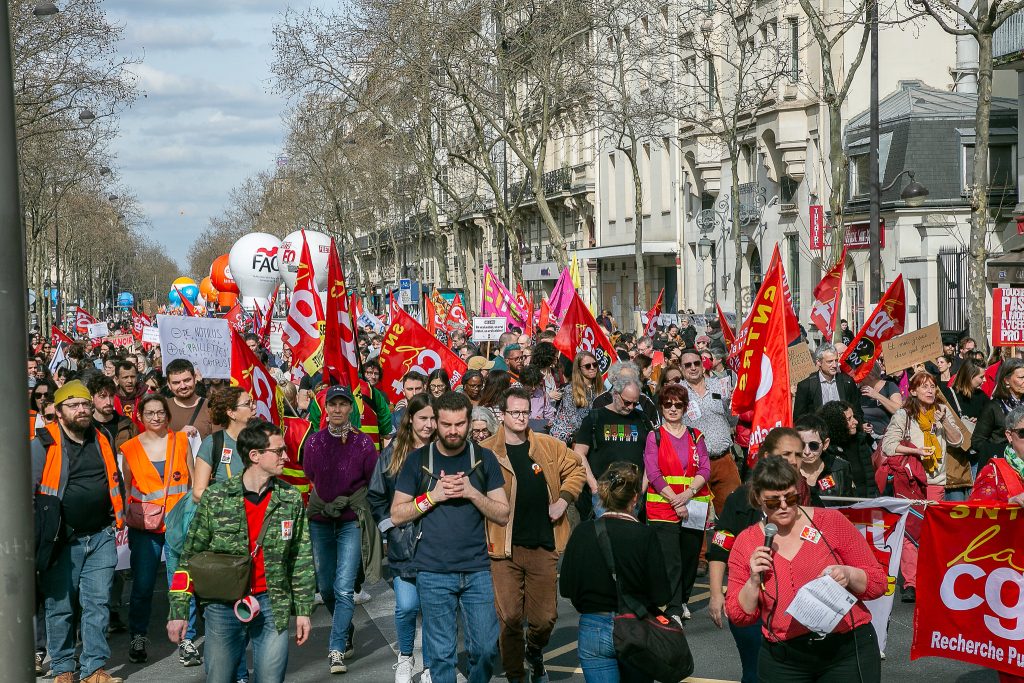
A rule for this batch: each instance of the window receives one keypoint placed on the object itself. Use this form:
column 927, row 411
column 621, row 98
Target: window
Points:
column 1002, row 167
column 712, row 84
column 859, row 170
column 787, row 188
column 793, row 247
column 794, row 49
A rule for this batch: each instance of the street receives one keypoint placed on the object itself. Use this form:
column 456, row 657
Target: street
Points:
column 713, row 650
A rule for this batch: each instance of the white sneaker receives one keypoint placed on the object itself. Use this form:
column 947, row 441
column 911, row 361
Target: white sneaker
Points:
column 686, row 612
column 362, row 597
column 425, row 676
column 403, row 669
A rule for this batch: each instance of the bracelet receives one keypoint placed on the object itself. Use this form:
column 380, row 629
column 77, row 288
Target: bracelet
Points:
column 423, row 504
column 431, row 500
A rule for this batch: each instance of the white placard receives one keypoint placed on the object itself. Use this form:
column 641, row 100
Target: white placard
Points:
column 97, row 330
column 150, row 334
column 696, row 515
column 488, row 329
column 204, row 341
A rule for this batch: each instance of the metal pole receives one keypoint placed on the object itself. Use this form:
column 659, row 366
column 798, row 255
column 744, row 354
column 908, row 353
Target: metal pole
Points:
column 874, row 182
column 56, row 246
column 17, row 561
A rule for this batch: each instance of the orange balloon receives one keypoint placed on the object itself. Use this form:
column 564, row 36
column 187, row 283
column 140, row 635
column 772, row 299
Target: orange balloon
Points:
column 207, row 289
column 226, row 299
column 220, row 275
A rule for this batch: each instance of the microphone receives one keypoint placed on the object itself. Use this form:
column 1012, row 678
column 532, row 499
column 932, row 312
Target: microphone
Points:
column 770, row 531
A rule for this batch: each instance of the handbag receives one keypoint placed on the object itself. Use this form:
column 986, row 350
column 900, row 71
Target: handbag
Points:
column 902, row 475
column 150, row 516
column 647, row 640
column 222, row 577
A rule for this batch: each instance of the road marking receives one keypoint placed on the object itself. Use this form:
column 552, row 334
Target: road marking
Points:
column 563, row 669
column 558, row 651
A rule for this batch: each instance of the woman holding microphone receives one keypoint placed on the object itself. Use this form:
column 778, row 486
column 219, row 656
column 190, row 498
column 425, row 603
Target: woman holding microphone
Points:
column 763, row 582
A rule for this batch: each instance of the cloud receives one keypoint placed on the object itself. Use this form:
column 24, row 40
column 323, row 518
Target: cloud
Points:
column 193, row 8
column 170, row 94
column 158, row 36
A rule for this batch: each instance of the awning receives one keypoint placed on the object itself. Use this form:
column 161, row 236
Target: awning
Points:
column 1006, row 269
column 623, row 250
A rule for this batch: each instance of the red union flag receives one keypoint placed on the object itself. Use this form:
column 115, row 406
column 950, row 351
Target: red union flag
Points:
column 817, row 226
column 139, row 321
column 970, row 588
column 82, row 320
column 792, row 325
column 580, row 332
column 651, row 318
column 57, row 337
column 341, row 361
column 825, row 308
column 408, row 346
column 250, row 374
column 304, row 327
column 885, row 322
column 457, row 318
column 727, row 333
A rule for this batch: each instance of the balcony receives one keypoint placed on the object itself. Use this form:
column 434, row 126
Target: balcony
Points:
column 554, row 182
column 1008, row 42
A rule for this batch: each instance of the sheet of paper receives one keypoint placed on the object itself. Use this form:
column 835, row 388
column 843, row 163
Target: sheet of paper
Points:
column 698, row 515
column 821, row 604
column 194, row 442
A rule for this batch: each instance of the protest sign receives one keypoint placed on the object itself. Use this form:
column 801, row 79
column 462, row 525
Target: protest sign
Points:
column 1007, row 317
column 488, row 329
column 206, row 342
column 150, row 335
column 907, row 350
column 97, row 330
column 121, row 340
column 801, row 365
column 969, row 592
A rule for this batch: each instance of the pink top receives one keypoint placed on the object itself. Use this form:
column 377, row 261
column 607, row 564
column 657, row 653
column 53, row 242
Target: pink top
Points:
column 808, row 564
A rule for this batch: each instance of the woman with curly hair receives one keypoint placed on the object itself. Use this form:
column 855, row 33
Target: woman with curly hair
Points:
column 850, row 443
column 494, row 387
column 577, row 396
column 218, row 458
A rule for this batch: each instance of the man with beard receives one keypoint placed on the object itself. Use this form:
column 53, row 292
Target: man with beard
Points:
column 73, row 463
column 460, row 490
column 129, row 391
column 189, row 411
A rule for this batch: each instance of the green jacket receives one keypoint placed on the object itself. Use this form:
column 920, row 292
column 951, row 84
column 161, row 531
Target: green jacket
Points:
column 220, row 526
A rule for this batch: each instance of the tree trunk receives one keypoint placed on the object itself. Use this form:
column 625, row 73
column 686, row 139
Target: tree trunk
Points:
column 978, row 250
column 440, row 245
column 554, row 232
column 638, row 224
column 734, row 214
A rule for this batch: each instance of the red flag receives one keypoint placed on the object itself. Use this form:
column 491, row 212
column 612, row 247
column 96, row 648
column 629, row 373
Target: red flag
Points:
column 250, row 374
column 792, row 324
column 544, row 318
column 825, row 308
column 580, row 332
column 651, row 323
column 408, row 346
column 356, row 307
column 727, row 333
column 457, row 318
column 430, row 316
column 393, row 307
column 263, row 326
column 304, row 326
column 885, row 322
column 82, row 320
column 190, row 309
column 139, row 322
column 522, row 306
column 341, row 359
column 530, row 322
column 57, row 336
column 763, row 382
column 236, row 318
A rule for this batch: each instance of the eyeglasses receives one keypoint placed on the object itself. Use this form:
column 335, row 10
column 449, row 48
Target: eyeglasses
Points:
column 485, row 433
column 279, row 452
column 628, row 404
column 49, row 417
column 41, row 394
column 773, row 503
column 813, row 445
column 588, row 366
column 673, row 405
column 518, row 414
column 692, row 364
column 154, row 414
column 247, row 404
column 78, row 405
column 437, row 386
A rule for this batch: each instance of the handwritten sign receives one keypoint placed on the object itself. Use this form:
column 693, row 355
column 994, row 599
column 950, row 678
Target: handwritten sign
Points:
column 206, row 342
column 97, row 330
column 801, row 365
column 907, row 350
column 121, row 340
column 150, row 334
column 488, row 329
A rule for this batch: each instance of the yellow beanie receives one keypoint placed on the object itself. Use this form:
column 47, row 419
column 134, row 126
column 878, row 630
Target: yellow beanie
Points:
column 72, row 389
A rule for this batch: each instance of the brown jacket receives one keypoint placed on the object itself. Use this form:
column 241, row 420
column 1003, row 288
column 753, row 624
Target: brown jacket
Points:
column 563, row 472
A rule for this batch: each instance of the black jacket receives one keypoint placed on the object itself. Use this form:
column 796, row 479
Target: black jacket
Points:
column 808, row 395
column 989, row 438
column 401, row 540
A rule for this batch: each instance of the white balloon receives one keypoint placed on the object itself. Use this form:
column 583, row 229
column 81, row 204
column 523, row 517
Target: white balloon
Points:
column 291, row 252
column 254, row 264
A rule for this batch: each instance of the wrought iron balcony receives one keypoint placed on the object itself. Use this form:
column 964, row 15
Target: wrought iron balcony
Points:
column 1008, row 40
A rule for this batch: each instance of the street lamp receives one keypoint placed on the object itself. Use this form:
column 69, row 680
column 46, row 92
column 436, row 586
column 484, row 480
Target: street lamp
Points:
column 914, row 193
column 87, row 116
column 706, row 248
column 45, row 9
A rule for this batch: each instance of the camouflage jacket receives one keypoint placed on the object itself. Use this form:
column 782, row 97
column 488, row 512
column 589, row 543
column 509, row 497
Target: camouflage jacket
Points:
column 220, row 526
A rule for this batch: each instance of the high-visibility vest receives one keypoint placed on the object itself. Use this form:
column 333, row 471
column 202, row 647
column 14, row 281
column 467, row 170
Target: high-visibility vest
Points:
column 32, row 424
column 146, row 485
column 55, row 471
column 676, row 475
column 295, row 432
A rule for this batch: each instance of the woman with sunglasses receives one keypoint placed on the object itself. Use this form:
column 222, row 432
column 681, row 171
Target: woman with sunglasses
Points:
column 670, row 374
column 41, row 393
column 1002, row 479
column 677, row 466
column 763, row 581
column 231, row 408
column 989, row 437
column 826, row 474
column 577, row 396
column 156, row 468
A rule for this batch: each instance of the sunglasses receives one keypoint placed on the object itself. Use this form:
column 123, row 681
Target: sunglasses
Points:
column 673, row 405
column 1018, row 432
column 628, row 404
column 791, row 499
column 588, row 366
column 42, row 394
column 49, row 417
column 813, row 445
column 692, row 364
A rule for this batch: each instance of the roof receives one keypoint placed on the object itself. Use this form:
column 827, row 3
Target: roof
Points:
column 915, row 100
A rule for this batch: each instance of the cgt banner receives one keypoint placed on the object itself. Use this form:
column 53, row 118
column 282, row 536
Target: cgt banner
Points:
column 970, row 587
column 408, row 346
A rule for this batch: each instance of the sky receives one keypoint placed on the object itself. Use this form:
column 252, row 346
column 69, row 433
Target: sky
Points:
column 206, row 117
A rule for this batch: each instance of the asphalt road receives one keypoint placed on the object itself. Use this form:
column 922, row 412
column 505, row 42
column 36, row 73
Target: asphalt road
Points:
column 714, row 650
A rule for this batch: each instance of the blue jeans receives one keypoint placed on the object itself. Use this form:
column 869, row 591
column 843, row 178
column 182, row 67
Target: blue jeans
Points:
column 225, row 644
column 597, row 652
column 85, row 565
column 407, row 607
column 337, row 552
column 748, row 642
column 958, row 494
column 441, row 595
column 173, row 560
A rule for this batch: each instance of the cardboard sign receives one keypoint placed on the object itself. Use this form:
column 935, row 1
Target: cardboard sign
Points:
column 488, row 329
column 801, row 365
column 121, row 340
column 1007, row 317
column 204, row 341
column 149, row 307
column 907, row 350
column 150, row 334
column 97, row 330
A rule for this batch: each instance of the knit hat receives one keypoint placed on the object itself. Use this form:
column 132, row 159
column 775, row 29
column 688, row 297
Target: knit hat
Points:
column 72, row 389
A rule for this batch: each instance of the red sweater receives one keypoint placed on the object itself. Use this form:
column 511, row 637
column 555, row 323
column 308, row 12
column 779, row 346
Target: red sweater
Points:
column 254, row 514
column 808, row 564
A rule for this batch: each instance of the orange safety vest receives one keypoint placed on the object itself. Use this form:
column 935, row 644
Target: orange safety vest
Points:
column 146, row 485
column 675, row 475
column 55, row 471
column 31, row 425
column 295, row 432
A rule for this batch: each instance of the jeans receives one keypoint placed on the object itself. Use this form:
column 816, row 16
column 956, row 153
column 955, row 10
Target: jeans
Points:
column 407, row 607
column 173, row 559
column 748, row 642
column 145, row 547
column 84, row 565
column 958, row 495
column 225, row 644
column 597, row 652
column 441, row 595
column 337, row 552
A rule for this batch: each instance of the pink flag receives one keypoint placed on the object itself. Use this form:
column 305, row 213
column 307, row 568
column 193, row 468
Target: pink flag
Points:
column 561, row 296
column 498, row 301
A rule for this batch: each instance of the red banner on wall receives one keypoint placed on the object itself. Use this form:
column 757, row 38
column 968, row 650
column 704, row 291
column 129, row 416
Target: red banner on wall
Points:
column 1007, row 317
column 970, row 586
column 816, row 220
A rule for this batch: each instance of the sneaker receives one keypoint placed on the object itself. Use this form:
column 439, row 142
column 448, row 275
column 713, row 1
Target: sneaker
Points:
column 137, row 649
column 337, row 662
column 403, row 669
column 425, row 676
column 909, row 595
column 535, row 658
column 686, row 612
column 66, row 677
column 39, row 663
column 188, row 654
column 101, row 676
column 362, row 597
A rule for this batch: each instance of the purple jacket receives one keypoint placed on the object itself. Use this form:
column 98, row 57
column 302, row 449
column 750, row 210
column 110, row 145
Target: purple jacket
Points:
column 338, row 469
